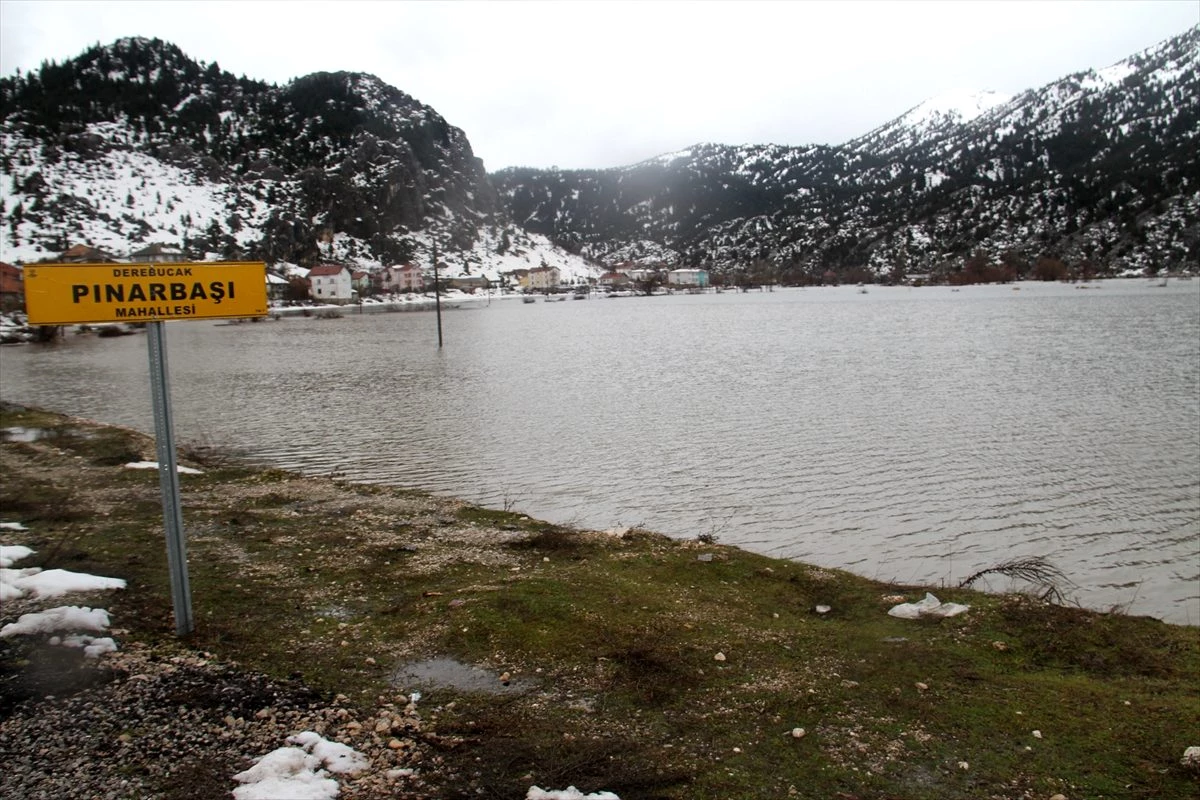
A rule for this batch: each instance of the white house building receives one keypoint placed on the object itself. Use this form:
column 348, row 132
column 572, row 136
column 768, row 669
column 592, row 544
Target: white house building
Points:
column 687, row 277
column 405, row 278
column 277, row 286
column 331, row 283
column 640, row 274
column 544, row 278
column 158, row 254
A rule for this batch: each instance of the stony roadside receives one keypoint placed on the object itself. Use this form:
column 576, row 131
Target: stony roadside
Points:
column 655, row 669
column 167, row 723
column 159, row 718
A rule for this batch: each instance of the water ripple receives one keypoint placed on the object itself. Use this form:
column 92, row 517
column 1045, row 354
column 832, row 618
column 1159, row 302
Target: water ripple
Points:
column 910, row 435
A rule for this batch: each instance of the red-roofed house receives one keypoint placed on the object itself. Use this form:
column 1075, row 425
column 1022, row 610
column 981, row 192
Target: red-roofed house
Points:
column 361, row 281
column 12, row 288
column 615, row 280
column 86, row 254
column 331, row 283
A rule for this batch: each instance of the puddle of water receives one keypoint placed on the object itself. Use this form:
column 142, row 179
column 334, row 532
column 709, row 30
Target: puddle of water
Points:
column 448, row 673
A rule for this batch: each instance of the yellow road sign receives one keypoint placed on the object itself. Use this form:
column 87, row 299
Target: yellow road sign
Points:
column 68, row 294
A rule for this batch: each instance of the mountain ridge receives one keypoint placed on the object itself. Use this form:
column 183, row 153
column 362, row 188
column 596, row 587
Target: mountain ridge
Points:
column 1087, row 169
column 1091, row 170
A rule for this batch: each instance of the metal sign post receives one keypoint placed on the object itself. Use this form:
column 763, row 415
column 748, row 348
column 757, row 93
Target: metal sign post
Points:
column 437, row 295
column 168, row 479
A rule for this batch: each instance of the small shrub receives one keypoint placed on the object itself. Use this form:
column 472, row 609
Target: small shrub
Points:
column 110, row 449
column 650, row 663
column 552, row 538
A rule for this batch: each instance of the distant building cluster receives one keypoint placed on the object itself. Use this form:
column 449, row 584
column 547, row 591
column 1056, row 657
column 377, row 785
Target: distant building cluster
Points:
column 333, row 283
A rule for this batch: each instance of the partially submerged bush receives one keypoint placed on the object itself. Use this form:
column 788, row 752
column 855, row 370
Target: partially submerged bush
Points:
column 1046, row 579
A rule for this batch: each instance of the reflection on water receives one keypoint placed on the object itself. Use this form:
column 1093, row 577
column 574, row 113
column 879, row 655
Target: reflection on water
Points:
column 916, row 435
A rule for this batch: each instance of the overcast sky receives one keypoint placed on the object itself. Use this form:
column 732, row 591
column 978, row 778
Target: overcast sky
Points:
column 600, row 84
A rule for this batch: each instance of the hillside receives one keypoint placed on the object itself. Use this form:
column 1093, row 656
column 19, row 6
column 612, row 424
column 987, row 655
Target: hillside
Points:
column 135, row 142
column 1097, row 168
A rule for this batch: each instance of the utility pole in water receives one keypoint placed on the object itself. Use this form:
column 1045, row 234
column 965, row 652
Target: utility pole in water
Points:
column 437, row 297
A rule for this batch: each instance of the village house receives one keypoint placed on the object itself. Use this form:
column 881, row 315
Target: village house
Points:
column 360, row 281
column 330, row 283
column 12, row 287
column 641, row 274
column 688, row 277
column 158, row 254
column 543, row 279
column 469, row 283
column 518, row 279
column 86, row 254
column 406, row 279
column 277, row 287
column 614, row 280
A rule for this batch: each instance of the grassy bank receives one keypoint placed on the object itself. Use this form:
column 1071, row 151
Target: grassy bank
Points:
column 632, row 663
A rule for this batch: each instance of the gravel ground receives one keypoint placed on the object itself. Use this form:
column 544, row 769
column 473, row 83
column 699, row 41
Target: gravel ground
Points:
column 136, row 724
column 169, row 722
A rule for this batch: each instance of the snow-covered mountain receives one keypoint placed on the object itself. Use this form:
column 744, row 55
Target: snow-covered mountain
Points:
column 1093, row 172
column 935, row 118
column 135, row 142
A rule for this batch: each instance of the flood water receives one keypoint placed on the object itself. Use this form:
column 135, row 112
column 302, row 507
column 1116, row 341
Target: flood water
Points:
column 915, row 435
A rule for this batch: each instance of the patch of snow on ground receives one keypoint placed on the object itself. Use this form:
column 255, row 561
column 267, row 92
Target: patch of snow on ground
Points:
column 299, row 773
column 335, row 756
column 10, row 554
column 34, row 581
column 56, row 582
column 570, row 793
column 66, row 618
column 93, row 646
column 154, row 465
column 56, row 620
